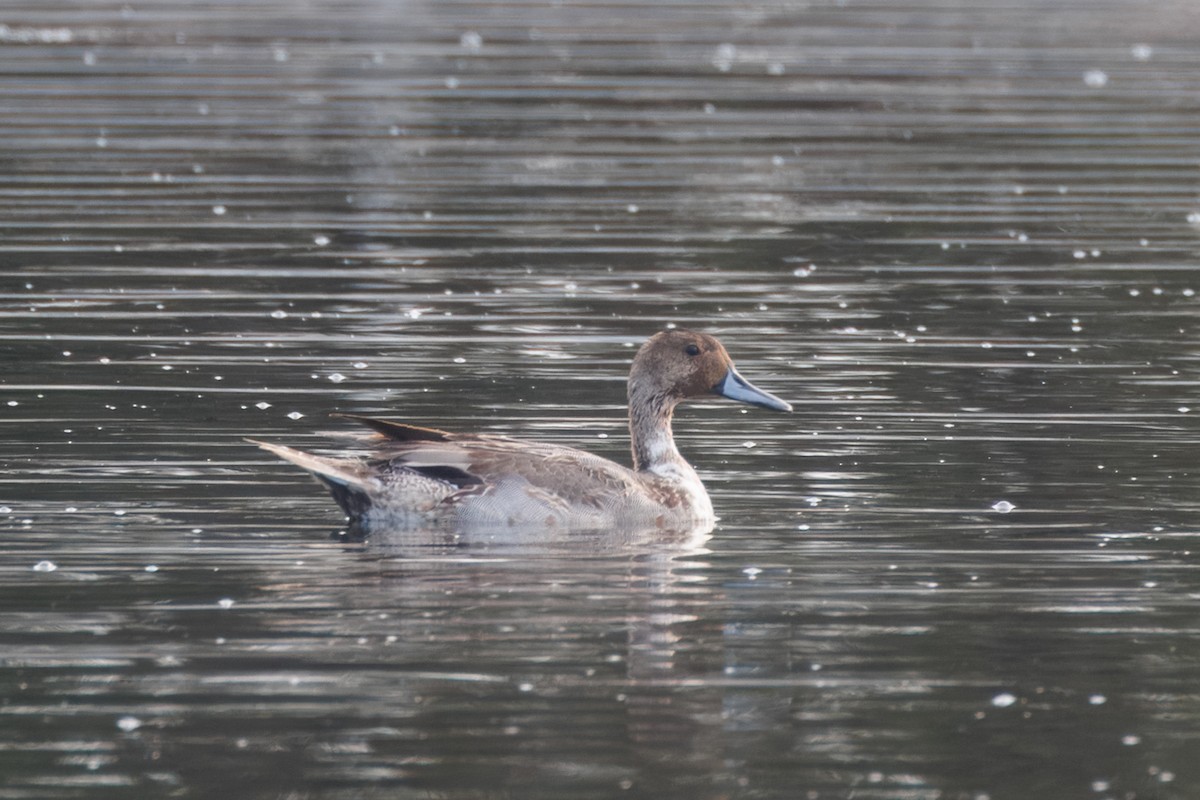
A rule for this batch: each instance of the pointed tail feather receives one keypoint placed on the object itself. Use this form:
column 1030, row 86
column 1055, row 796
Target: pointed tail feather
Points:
column 349, row 487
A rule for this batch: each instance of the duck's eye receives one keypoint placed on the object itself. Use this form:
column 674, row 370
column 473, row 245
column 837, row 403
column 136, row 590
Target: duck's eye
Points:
column 692, row 350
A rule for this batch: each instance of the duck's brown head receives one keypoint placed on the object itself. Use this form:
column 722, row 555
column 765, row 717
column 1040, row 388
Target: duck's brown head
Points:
column 675, row 365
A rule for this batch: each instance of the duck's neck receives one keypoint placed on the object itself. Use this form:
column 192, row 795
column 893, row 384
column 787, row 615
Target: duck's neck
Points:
column 650, row 434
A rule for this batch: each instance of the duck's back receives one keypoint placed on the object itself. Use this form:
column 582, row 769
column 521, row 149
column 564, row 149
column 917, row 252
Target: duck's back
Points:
column 480, row 480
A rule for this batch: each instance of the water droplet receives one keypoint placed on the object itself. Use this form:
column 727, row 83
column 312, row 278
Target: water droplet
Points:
column 359, row 365
column 337, row 377
column 1095, row 78
column 218, row 210
column 279, row 313
column 262, row 405
column 45, row 566
column 295, row 415
column 320, row 241
column 470, row 40
column 129, row 724
column 225, row 602
column 1002, row 507
column 1097, row 700
column 460, row 360
column 1004, row 700
column 151, row 568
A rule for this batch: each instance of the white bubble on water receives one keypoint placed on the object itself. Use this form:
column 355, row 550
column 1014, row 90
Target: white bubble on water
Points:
column 470, row 40
column 1141, row 52
column 295, row 415
column 45, row 566
column 262, row 405
column 1095, row 78
column 1004, row 700
column 219, row 210
column 129, row 724
column 337, row 377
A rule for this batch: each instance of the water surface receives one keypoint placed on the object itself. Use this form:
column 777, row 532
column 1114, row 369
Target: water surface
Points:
column 960, row 240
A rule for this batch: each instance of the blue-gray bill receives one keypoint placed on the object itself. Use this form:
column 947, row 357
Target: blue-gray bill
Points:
column 735, row 387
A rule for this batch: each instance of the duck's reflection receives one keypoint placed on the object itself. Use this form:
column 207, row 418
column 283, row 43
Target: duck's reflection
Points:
column 600, row 675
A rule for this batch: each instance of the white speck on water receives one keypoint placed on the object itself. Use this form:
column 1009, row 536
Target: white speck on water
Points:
column 337, row 377
column 1100, row 786
column 5, row 510
column 709, row 108
column 1097, row 700
column 129, row 724
column 452, row 82
column 225, row 602
column 13, row 403
column 320, row 241
column 752, row 572
column 986, row 345
column 45, row 566
column 1095, row 78
column 1003, row 507
column 459, row 360
column 262, row 405
column 748, row 445
column 1194, row 217
column 724, row 56
column 219, row 210
column 279, row 313
column 525, row 687
column 1004, row 700
column 1188, row 292
column 1079, row 254
column 1184, row 409
column 470, row 40
column 601, row 435
column 360, row 365
column 775, row 68
column 1131, row 740
column 1134, row 292
column 632, row 208
column 295, row 415
column 120, row 512
column 151, row 568
column 1141, row 52
column 105, row 360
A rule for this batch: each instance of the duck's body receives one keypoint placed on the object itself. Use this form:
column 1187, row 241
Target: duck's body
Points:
column 418, row 476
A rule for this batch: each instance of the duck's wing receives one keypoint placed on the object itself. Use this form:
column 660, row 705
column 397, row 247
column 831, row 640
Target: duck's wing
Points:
column 479, row 464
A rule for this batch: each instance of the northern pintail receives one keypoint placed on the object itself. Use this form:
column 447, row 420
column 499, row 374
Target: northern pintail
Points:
column 420, row 476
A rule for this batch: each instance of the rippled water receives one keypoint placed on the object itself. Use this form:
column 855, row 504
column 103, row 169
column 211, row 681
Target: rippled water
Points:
column 960, row 239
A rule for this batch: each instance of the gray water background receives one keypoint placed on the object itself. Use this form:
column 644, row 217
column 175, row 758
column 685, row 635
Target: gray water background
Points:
column 960, row 237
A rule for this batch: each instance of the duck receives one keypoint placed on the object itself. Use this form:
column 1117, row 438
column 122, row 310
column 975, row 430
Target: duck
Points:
column 419, row 477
